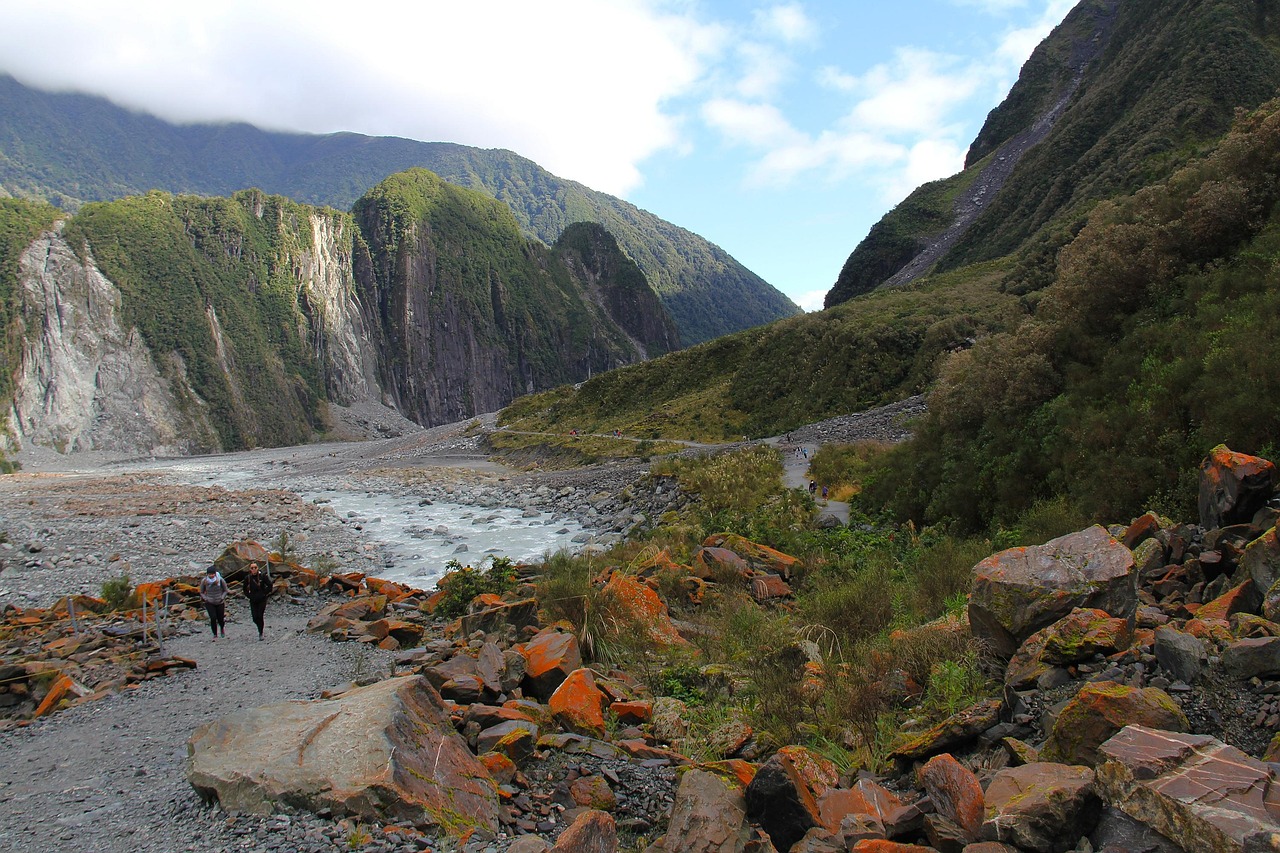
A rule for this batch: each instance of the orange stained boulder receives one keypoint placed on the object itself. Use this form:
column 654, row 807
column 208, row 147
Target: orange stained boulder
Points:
column 880, row 845
column 637, row 711
column 59, row 690
column 390, row 589
column 1240, row 599
column 767, row 587
column 758, row 556
column 732, row 769
column 578, row 704
column 549, row 658
column 1233, row 486
column 955, row 791
column 500, row 767
column 1209, row 629
column 720, row 564
column 152, row 592
column 637, row 604
column 660, row 562
column 594, row 793
column 864, row 798
column 1099, row 710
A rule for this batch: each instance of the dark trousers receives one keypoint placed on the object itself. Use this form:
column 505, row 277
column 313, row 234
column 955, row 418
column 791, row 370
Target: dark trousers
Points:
column 217, row 616
column 258, row 610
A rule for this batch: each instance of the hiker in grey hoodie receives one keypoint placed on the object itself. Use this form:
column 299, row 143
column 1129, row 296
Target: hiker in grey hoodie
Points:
column 213, row 592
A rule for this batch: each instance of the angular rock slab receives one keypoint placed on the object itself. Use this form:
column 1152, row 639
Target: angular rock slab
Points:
column 1021, row 590
column 784, row 796
column 1042, row 806
column 1099, row 710
column 709, row 816
column 1188, row 786
column 383, row 752
column 1233, row 486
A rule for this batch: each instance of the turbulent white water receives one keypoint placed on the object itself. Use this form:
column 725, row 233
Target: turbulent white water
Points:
column 418, row 537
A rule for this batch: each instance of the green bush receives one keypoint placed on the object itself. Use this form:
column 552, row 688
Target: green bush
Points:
column 117, row 591
column 462, row 583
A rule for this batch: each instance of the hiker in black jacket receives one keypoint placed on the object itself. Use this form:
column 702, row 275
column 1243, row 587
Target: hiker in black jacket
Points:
column 257, row 588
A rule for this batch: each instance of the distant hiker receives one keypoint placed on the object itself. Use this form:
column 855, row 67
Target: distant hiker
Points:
column 824, row 493
column 805, row 451
column 257, row 588
column 213, row 592
column 813, row 487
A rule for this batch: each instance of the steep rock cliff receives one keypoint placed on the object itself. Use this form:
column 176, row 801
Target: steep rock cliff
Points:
column 469, row 312
column 87, row 382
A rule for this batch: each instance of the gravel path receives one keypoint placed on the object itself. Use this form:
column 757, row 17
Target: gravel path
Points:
column 110, row 775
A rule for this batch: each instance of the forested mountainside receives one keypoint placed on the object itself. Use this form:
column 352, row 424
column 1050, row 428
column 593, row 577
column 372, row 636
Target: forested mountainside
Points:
column 176, row 324
column 69, row 149
column 1121, row 94
column 1091, row 355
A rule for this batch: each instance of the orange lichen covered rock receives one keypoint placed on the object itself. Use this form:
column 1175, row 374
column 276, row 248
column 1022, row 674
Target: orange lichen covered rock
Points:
column 1233, row 486
column 720, row 564
column 637, row 711
column 631, row 601
column 784, row 796
column 955, row 791
column 1101, row 709
column 1022, row 590
column 549, row 658
column 578, row 704
column 758, row 557
column 1244, row 598
column 734, row 769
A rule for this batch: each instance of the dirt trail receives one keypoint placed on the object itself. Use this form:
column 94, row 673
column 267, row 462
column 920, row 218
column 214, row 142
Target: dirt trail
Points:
column 110, row 775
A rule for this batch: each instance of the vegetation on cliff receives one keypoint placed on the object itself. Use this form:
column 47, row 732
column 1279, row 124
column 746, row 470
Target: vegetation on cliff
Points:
column 20, row 223
column 210, row 284
column 1165, row 86
column 70, row 149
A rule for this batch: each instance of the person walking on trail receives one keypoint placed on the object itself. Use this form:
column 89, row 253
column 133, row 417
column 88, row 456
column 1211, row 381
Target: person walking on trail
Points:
column 213, row 592
column 257, row 588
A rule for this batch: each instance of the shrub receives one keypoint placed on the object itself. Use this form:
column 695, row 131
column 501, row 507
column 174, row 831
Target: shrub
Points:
column 117, row 591
column 463, row 583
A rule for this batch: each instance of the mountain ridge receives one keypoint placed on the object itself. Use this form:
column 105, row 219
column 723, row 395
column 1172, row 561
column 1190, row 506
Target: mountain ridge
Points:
column 71, row 148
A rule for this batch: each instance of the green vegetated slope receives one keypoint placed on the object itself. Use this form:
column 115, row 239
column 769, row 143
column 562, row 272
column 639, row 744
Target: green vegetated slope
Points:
column 188, row 267
column 874, row 350
column 1099, row 375
column 70, row 149
column 1153, row 344
column 1166, row 84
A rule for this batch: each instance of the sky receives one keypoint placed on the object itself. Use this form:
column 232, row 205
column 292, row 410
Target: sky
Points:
column 781, row 131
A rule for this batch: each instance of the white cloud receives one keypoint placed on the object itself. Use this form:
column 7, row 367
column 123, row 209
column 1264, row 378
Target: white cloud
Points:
column 915, row 92
column 991, row 7
column 811, row 300
column 554, row 82
column 787, row 22
column 1017, row 44
column 764, row 70
column 753, row 124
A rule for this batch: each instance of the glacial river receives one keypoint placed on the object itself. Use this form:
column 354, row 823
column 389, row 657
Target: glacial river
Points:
column 418, row 538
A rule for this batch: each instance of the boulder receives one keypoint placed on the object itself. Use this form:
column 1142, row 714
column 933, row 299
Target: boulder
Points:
column 1101, row 709
column 766, row 587
column 877, row 845
column 591, row 832
column 549, row 658
column 1041, row 807
column 233, row 562
column 708, row 816
column 720, row 565
column 386, row 752
column 1022, row 590
column 1187, row 786
column 498, row 738
column 956, row 730
column 1141, row 529
column 491, row 617
column 759, row 557
column 593, row 792
column 865, row 799
column 1243, row 598
column 1233, row 486
column 783, row 797
column 1078, row 636
column 1250, row 657
column 631, row 602
column 352, row 610
column 1261, row 562
column 1119, row 832
column 578, row 704
column 1180, row 654
column 955, row 793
